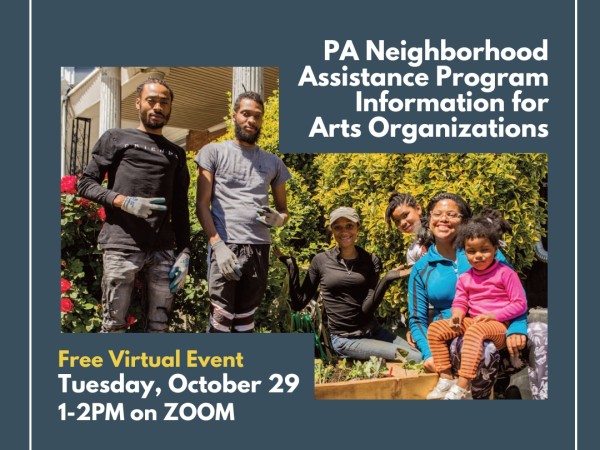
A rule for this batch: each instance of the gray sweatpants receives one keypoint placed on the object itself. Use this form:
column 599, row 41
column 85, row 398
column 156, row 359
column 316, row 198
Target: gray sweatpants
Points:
column 120, row 268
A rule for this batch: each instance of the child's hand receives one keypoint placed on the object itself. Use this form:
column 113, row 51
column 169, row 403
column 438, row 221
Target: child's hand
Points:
column 484, row 318
column 455, row 322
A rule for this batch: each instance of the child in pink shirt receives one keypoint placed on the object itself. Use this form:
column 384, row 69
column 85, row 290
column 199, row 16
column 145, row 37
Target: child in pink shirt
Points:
column 488, row 296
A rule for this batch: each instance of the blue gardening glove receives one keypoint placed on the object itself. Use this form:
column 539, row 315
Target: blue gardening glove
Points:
column 179, row 271
column 143, row 207
column 226, row 261
column 269, row 217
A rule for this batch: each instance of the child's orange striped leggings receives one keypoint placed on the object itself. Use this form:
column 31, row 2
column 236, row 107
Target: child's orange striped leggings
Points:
column 475, row 333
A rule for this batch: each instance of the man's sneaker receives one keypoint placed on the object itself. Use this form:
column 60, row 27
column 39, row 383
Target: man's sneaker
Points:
column 458, row 393
column 441, row 388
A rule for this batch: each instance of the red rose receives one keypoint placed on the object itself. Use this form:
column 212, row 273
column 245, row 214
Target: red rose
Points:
column 65, row 285
column 68, row 184
column 83, row 202
column 66, row 305
column 130, row 320
column 102, row 214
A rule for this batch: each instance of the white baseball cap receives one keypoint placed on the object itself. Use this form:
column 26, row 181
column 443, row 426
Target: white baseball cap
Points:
column 344, row 211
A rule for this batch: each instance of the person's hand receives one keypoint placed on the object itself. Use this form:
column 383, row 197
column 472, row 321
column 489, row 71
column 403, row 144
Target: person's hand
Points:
column 226, row 261
column 270, row 217
column 143, row 207
column 399, row 272
column 515, row 343
column 179, row 271
column 410, row 340
column 277, row 252
column 455, row 322
column 484, row 318
column 428, row 365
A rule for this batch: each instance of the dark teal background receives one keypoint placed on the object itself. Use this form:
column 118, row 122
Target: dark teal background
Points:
column 287, row 35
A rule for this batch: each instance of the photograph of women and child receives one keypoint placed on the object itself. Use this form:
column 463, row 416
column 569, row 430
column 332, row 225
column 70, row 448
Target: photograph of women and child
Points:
column 461, row 248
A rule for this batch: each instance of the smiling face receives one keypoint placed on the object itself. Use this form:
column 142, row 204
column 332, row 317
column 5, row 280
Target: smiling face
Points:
column 480, row 252
column 444, row 220
column 345, row 232
column 154, row 106
column 407, row 218
column 248, row 122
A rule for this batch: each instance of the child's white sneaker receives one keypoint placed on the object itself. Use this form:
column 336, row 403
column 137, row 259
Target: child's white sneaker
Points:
column 458, row 393
column 441, row 388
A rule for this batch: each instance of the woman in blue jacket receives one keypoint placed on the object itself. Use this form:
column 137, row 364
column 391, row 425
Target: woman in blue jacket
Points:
column 432, row 283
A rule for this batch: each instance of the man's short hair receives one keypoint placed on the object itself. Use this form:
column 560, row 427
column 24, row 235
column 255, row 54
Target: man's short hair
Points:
column 250, row 96
column 140, row 88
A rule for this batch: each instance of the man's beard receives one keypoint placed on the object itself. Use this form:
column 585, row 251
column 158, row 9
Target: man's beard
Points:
column 242, row 136
column 145, row 118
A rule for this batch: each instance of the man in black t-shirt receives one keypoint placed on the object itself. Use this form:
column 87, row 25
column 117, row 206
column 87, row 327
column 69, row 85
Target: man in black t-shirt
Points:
column 147, row 228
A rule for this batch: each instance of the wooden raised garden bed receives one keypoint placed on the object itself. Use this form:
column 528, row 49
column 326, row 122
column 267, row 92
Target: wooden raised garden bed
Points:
column 403, row 384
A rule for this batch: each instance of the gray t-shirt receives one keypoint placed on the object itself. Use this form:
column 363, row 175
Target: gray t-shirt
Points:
column 241, row 180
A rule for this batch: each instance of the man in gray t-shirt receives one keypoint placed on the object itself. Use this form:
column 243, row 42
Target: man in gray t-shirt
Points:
column 232, row 205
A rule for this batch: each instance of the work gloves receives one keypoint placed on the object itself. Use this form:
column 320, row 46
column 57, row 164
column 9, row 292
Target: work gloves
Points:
column 179, row 271
column 227, row 261
column 269, row 217
column 143, row 207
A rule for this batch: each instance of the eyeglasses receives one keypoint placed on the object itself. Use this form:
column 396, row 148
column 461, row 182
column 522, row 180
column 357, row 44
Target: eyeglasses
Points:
column 450, row 215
